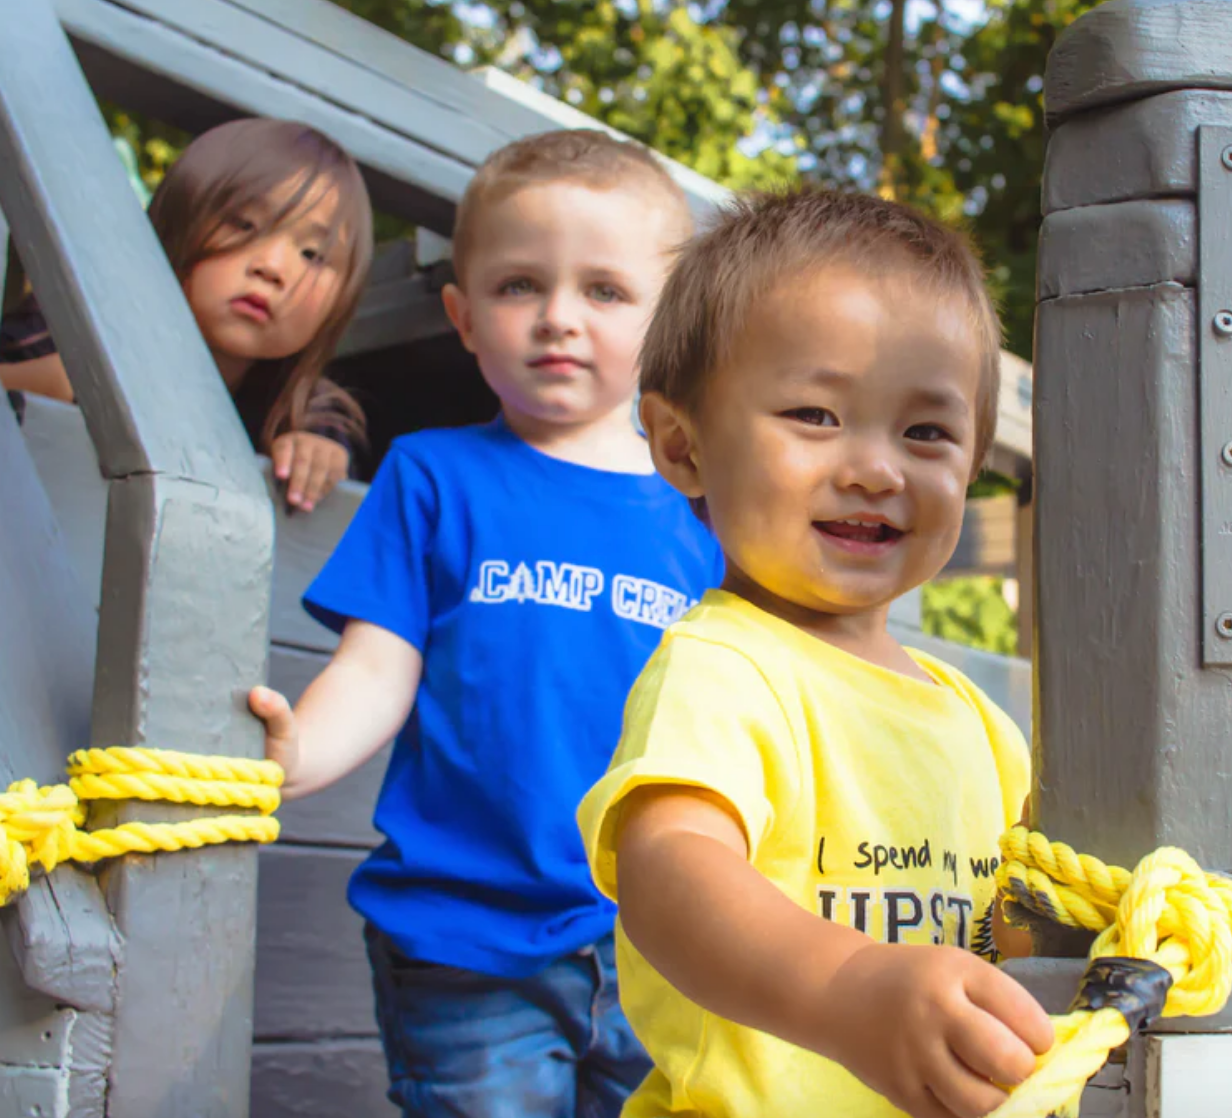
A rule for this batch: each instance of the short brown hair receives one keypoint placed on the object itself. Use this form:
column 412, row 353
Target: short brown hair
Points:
column 760, row 239
column 584, row 155
column 224, row 172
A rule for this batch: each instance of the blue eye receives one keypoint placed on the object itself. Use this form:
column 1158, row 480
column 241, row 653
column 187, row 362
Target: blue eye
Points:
column 605, row 293
column 520, row 286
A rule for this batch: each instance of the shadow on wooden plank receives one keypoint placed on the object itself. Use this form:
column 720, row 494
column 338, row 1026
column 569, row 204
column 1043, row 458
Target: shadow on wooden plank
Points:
column 321, row 1080
column 312, row 976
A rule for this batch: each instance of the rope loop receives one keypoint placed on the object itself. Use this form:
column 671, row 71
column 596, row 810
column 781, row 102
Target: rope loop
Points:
column 1168, row 912
column 44, row 826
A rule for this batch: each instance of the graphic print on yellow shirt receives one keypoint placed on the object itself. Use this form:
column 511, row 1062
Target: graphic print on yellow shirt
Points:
column 870, row 798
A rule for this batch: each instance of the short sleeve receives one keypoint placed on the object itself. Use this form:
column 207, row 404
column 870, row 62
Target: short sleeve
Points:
column 701, row 714
column 380, row 571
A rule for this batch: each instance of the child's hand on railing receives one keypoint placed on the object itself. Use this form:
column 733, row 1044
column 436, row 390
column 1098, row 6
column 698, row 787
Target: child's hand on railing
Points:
column 311, row 465
column 281, row 732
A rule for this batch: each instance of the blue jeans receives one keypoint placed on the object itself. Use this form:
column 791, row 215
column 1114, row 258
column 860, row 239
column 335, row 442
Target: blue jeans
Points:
column 460, row 1044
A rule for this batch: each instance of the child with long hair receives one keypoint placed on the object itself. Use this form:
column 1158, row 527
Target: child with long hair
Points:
column 268, row 228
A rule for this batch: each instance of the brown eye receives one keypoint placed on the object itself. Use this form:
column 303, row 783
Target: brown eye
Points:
column 928, row 433
column 813, row 417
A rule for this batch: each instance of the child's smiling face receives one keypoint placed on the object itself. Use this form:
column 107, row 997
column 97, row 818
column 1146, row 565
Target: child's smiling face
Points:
column 834, row 444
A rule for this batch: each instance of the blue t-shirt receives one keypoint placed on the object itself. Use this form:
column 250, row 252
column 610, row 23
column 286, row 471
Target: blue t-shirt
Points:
column 535, row 590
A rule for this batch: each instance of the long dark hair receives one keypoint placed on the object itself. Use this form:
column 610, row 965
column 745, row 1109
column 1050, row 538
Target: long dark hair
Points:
column 236, row 167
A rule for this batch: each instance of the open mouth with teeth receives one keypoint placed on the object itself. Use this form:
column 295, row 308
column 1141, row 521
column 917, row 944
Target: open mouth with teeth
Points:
column 860, row 531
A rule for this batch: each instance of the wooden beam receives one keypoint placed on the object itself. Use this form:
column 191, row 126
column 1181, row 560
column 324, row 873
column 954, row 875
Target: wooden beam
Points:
column 188, row 552
column 1131, row 49
column 158, row 69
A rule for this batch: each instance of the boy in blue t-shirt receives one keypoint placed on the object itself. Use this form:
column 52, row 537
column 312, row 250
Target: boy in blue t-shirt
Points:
column 497, row 593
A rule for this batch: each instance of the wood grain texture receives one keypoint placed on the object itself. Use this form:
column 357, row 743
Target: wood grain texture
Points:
column 1127, row 49
column 1141, row 149
column 47, row 644
column 1127, row 244
column 313, row 979
column 322, row 1080
column 1130, row 731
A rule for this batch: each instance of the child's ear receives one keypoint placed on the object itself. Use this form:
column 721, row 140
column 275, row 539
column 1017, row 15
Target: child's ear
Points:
column 458, row 307
column 673, row 443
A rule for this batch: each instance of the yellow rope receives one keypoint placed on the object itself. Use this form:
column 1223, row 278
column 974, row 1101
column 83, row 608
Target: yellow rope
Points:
column 1168, row 912
column 44, row 826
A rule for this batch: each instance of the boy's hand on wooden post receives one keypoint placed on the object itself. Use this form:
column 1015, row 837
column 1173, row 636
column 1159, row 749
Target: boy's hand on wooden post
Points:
column 934, row 1029
column 281, row 732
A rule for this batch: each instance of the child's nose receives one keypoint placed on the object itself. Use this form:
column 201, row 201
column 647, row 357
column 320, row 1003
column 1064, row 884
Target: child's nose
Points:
column 871, row 466
column 271, row 261
column 558, row 317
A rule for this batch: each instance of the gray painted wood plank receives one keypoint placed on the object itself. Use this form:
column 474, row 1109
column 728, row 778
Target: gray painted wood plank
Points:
column 47, row 645
column 322, row 1080
column 304, row 542
column 1144, row 149
column 1132, row 731
column 59, row 444
column 76, row 232
column 337, row 30
column 139, row 63
column 313, row 979
column 1126, row 244
column 419, row 109
column 1127, row 49
column 397, row 312
column 341, row 815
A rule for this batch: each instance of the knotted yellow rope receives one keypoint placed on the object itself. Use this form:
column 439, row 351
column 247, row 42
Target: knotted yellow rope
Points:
column 1168, row 912
column 43, row 826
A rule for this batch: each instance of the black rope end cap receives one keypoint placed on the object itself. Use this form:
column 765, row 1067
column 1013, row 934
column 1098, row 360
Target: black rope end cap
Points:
column 1135, row 988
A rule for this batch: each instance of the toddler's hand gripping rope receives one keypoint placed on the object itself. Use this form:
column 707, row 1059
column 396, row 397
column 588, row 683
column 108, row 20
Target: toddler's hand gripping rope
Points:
column 1167, row 926
column 42, row 826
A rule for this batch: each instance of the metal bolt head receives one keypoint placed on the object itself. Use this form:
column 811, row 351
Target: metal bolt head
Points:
column 1223, row 626
column 1225, row 157
column 1226, row 454
column 1222, row 324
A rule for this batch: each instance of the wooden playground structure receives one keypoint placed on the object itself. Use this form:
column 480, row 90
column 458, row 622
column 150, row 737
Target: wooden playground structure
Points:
column 147, row 579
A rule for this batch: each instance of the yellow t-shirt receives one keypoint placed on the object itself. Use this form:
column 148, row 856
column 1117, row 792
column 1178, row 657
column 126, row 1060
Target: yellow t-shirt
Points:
column 868, row 797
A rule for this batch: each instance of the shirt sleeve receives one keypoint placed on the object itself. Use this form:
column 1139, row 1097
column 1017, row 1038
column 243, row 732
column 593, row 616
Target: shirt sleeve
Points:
column 380, row 571
column 701, row 715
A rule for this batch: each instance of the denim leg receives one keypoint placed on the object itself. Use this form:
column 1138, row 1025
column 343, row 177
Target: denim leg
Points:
column 465, row 1045
column 615, row 1062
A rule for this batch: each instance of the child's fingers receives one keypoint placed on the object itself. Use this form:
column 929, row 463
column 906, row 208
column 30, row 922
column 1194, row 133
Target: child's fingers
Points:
column 999, row 995
column 962, row 1093
column 301, row 467
column 989, row 1048
column 282, row 451
column 273, row 709
column 320, row 476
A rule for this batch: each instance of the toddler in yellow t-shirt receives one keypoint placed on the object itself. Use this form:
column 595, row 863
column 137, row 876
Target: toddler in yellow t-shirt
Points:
column 800, row 825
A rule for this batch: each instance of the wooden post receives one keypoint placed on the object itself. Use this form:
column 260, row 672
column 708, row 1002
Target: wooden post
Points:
column 1133, row 407
column 1132, row 726
column 183, row 617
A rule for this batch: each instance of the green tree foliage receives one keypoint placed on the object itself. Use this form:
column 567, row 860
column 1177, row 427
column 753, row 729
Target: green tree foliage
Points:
column 649, row 69
column 971, row 611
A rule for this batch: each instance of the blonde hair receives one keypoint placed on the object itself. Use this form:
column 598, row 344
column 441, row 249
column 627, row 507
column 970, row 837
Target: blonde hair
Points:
column 761, row 239
column 582, row 155
column 234, row 168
